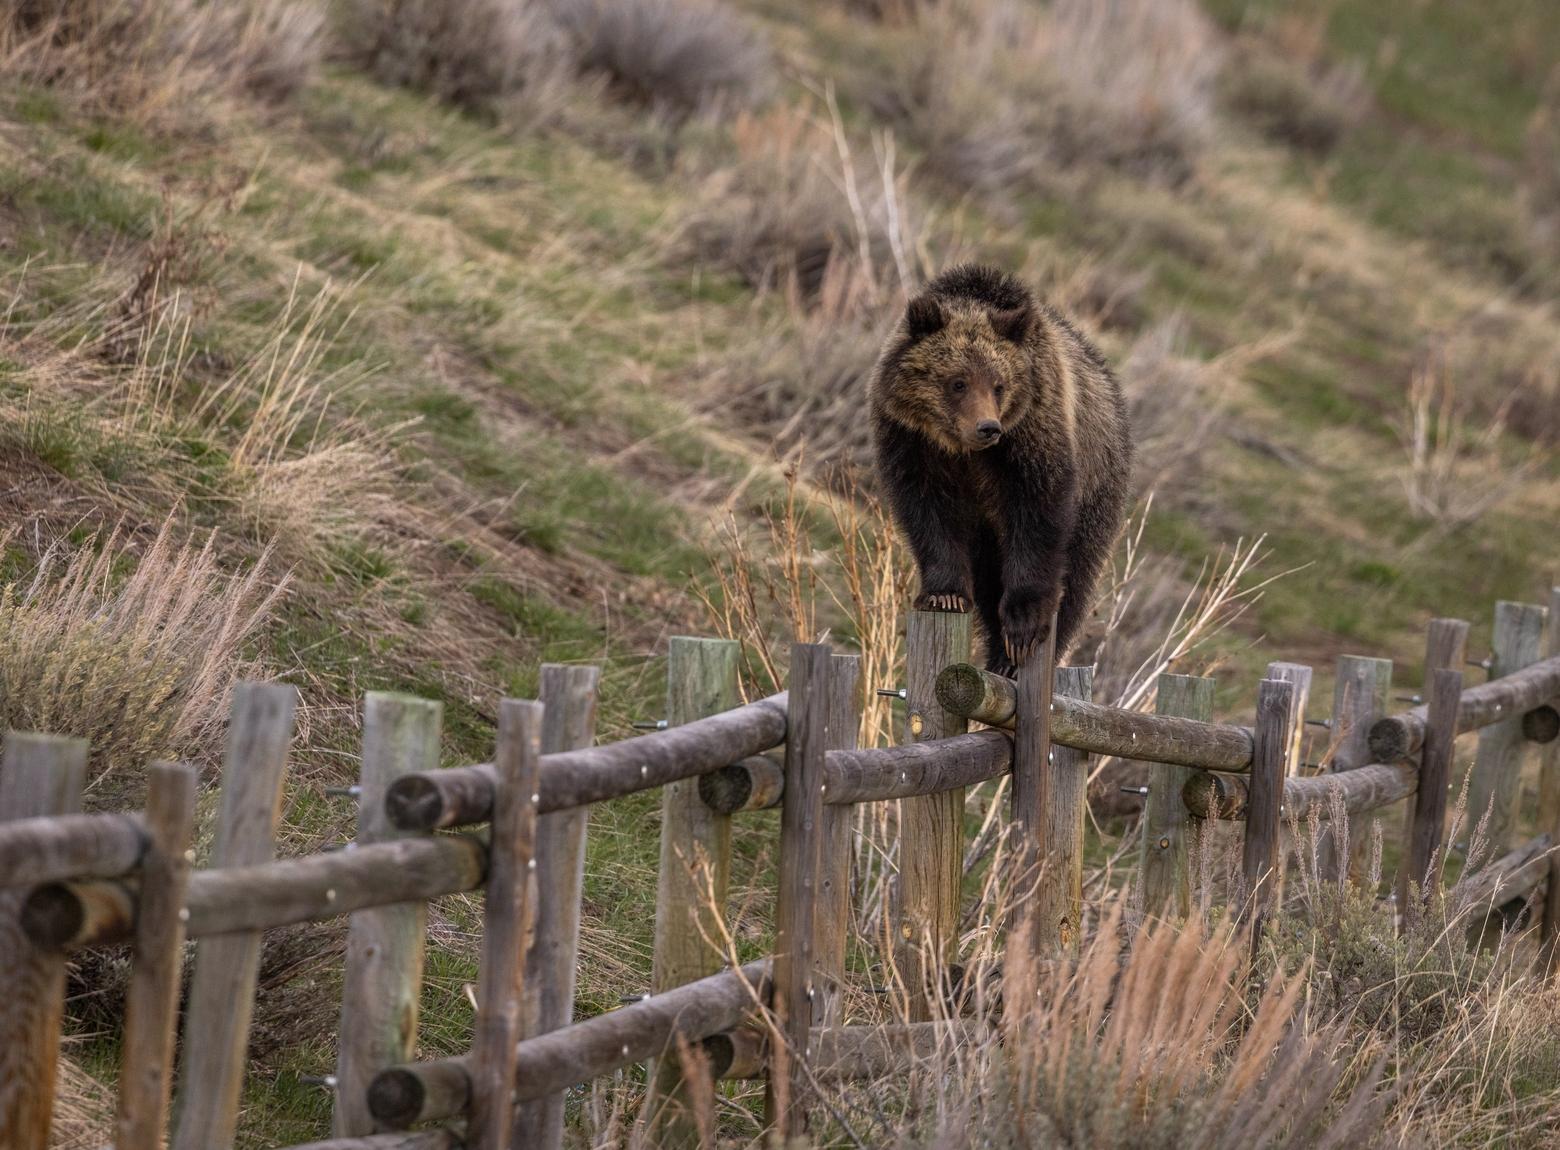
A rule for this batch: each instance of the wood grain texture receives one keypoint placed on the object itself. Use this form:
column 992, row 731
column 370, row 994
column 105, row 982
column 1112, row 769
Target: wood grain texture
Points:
column 1299, row 675
column 832, row 922
column 1063, row 802
column 569, row 723
column 152, row 1000
column 1100, row 729
column 1216, row 795
column 754, row 784
column 1549, row 817
column 1361, row 688
column 1264, row 812
column 310, row 888
column 1427, row 829
column 924, row 910
column 462, row 795
column 702, row 679
column 506, row 919
column 221, row 998
column 1495, row 784
column 1166, row 825
column 787, row 1095
column 382, row 983
column 548, row 1063
column 40, row 775
column 48, row 849
column 1032, row 718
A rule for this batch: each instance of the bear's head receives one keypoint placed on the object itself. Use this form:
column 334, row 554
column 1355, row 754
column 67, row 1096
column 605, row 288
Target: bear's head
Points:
column 962, row 374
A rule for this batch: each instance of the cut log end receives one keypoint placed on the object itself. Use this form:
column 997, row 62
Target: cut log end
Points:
column 726, row 790
column 396, row 1097
column 53, row 916
column 414, row 803
column 1541, row 724
column 1389, row 740
column 960, row 688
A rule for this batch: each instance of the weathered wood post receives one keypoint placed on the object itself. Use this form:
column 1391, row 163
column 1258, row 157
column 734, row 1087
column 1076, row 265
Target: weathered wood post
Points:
column 1031, row 768
column 152, row 1001
column 222, row 992
column 1360, row 693
column 787, row 1093
column 925, row 910
column 1300, row 675
column 1063, row 802
column 1497, row 771
column 1167, row 825
column 506, row 918
column 1265, row 801
column 568, row 724
column 1426, row 858
column 382, row 983
column 703, row 677
column 1549, row 816
column 39, row 775
column 832, row 926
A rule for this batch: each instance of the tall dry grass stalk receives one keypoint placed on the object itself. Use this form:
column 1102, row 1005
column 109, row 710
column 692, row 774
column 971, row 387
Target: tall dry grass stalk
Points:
column 157, row 60
column 140, row 663
column 1454, row 473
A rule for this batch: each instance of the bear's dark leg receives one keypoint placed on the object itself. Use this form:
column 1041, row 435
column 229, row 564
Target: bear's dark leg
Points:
column 988, row 598
column 925, row 492
column 1093, row 539
column 1040, row 510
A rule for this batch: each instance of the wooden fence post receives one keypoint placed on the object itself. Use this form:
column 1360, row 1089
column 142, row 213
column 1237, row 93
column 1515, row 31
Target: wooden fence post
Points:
column 509, row 903
column 569, row 723
column 1260, row 859
column 787, row 1092
column 703, row 677
column 1497, row 771
column 1360, row 694
column 382, row 983
column 1425, row 846
column 1549, row 816
column 1063, row 802
column 931, row 827
column 222, row 992
column 1300, row 675
column 39, row 775
column 1031, row 766
column 152, row 1001
column 833, row 919
column 1166, row 823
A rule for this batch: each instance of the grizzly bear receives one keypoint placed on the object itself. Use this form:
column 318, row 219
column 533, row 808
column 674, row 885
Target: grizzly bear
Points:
column 1003, row 449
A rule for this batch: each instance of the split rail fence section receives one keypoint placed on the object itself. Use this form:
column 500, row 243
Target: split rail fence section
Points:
column 70, row 880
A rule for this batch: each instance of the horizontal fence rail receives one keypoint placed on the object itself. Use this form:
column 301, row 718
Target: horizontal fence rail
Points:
column 69, row 880
column 1529, row 692
column 432, row 800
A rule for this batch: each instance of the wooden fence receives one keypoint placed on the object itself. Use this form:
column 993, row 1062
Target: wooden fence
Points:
column 70, row 880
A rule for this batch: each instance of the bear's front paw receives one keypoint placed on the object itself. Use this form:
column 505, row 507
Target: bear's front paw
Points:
column 954, row 601
column 1026, row 622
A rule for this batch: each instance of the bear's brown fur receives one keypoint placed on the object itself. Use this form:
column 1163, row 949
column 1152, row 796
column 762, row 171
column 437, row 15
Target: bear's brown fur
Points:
column 1003, row 447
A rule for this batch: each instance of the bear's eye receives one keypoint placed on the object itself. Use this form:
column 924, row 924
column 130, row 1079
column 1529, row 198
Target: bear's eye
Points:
column 997, row 392
column 958, row 387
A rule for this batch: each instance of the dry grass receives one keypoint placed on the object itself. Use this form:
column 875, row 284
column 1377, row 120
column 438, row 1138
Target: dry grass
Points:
column 996, row 94
column 153, row 62
column 1454, row 472
column 138, row 662
column 677, row 56
column 472, row 53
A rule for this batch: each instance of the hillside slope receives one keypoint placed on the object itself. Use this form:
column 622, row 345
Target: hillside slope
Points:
column 477, row 389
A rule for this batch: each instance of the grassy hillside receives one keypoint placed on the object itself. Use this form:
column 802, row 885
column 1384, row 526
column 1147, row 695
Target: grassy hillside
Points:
column 375, row 352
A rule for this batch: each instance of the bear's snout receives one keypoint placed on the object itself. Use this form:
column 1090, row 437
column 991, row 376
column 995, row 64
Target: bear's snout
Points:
column 988, row 431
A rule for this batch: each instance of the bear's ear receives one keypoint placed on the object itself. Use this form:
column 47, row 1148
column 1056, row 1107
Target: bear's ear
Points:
column 1012, row 324
column 925, row 316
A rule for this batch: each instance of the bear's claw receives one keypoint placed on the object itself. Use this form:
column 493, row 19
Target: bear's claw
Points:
column 954, row 603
